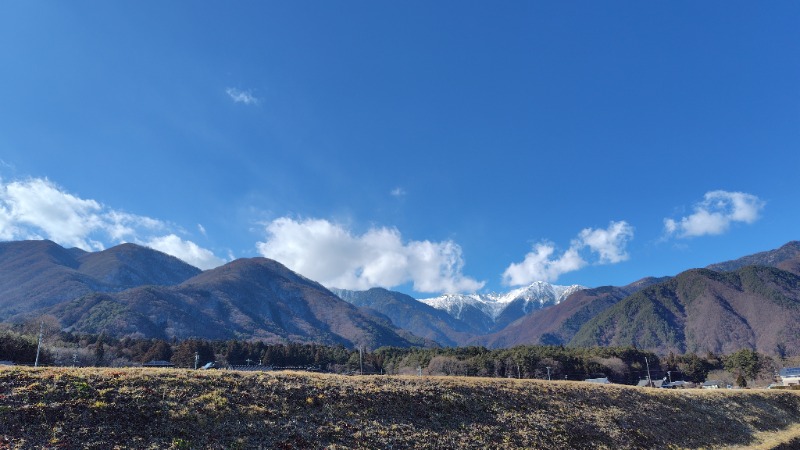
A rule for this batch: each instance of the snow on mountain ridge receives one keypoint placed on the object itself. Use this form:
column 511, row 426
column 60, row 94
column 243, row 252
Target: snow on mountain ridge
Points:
column 537, row 295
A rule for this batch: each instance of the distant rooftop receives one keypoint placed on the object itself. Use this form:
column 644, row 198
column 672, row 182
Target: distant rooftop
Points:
column 158, row 363
column 598, row 380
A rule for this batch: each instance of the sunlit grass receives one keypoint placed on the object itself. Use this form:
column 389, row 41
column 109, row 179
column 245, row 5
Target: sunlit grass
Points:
column 174, row 408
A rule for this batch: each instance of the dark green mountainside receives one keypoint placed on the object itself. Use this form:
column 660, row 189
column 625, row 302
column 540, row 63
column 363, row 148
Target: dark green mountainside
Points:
column 701, row 310
column 558, row 324
column 786, row 257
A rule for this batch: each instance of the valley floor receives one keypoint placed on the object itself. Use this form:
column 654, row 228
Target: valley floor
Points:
column 171, row 408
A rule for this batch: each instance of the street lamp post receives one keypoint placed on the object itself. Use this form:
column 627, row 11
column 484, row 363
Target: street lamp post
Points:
column 39, row 345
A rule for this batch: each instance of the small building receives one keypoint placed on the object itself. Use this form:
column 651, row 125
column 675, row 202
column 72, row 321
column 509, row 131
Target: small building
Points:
column 790, row 376
column 158, row 363
column 679, row 385
column 597, row 380
column 712, row 384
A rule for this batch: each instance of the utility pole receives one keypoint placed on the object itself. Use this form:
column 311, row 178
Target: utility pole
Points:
column 361, row 358
column 548, row 373
column 669, row 373
column 196, row 359
column 39, row 346
column 649, row 380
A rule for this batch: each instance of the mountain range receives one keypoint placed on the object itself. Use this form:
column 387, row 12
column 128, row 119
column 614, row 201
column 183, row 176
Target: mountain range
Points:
column 558, row 324
column 130, row 290
column 494, row 311
column 752, row 302
column 39, row 274
column 410, row 314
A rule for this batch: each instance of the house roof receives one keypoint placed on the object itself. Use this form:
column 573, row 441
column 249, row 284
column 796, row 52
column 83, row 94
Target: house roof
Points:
column 598, row 380
column 159, row 363
column 790, row 372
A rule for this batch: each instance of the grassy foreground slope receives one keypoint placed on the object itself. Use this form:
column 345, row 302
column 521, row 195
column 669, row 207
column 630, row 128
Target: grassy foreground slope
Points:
column 146, row 408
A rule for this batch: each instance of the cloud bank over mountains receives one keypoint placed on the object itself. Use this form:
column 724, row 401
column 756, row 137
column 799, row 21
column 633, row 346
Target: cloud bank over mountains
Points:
column 332, row 254
column 37, row 208
column 336, row 257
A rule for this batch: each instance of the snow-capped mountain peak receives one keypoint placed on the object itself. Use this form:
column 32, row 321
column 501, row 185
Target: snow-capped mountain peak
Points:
column 535, row 296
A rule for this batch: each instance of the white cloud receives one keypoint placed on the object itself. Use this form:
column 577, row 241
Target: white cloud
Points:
column 240, row 96
column 398, row 192
column 540, row 264
column 332, row 255
column 609, row 243
column 715, row 214
column 37, row 208
column 186, row 250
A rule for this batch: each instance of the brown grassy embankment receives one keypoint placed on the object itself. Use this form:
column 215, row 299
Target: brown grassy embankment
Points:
column 147, row 408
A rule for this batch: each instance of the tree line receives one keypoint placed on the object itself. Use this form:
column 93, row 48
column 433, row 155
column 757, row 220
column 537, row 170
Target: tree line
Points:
column 624, row 365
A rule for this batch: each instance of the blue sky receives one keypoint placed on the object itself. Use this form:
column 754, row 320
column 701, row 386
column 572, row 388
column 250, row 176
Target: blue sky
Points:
column 419, row 146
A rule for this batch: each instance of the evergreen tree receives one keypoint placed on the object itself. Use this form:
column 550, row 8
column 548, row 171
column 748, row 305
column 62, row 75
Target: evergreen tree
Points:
column 159, row 351
column 99, row 351
column 184, row 353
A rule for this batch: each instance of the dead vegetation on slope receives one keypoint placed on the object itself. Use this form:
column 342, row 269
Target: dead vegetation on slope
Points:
column 104, row 408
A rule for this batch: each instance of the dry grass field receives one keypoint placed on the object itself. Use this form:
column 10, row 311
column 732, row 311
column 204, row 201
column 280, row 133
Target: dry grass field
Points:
column 151, row 408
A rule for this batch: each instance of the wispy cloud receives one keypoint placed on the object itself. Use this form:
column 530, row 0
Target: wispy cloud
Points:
column 715, row 214
column 336, row 257
column 37, row 208
column 398, row 192
column 542, row 263
column 240, row 96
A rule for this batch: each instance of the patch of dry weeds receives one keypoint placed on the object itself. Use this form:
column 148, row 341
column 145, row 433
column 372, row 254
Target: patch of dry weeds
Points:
column 65, row 408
